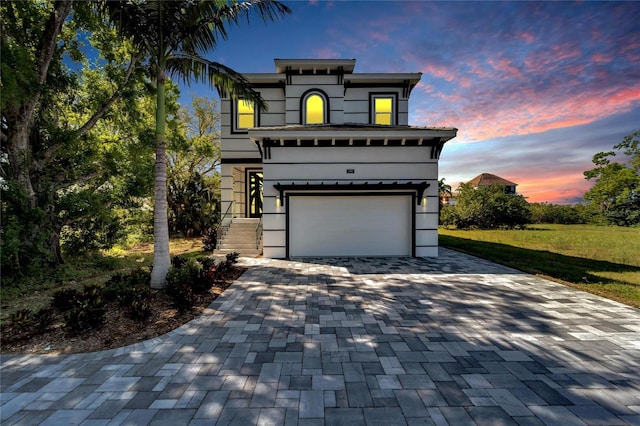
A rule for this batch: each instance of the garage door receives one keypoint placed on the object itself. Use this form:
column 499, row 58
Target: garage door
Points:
column 350, row 225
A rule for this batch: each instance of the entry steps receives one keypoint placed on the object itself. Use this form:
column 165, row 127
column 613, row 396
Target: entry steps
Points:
column 241, row 237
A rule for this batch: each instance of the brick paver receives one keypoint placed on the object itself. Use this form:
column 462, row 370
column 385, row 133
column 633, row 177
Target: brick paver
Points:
column 452, row 340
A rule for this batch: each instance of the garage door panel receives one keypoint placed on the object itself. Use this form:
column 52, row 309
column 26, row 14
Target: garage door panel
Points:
column 350, row 225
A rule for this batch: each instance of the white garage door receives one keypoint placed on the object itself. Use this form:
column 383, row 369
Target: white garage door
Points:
column 350, row 225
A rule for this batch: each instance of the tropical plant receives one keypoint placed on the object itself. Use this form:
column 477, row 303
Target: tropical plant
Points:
column 174, row 36
column 444, row 190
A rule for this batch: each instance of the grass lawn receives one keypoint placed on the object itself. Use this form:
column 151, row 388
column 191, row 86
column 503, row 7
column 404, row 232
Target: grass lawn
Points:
column 94, row 268
column 603, row 260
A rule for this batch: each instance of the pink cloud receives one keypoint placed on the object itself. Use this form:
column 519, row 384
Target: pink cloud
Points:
column 439, row 71
column 426, row 88
column 379, row 36
column 505, row 67
column 486, row 114
column 601, row 58
column 543, row 62
column 557, row 188
column 525, row 36
column 560, row 185
column 326, row 53
column 564, row 51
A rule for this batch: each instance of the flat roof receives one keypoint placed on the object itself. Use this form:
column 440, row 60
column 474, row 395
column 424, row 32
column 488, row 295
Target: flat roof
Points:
column 346, row 65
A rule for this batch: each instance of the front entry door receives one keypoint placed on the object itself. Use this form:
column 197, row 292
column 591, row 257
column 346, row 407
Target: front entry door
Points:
column 254, row 206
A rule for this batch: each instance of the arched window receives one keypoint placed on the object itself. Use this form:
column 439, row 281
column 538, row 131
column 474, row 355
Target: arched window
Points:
column 314, row 108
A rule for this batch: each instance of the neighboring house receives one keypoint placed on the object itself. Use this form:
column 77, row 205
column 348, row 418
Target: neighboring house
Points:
column 483, row 179
column 332, row 168
column 487, row 179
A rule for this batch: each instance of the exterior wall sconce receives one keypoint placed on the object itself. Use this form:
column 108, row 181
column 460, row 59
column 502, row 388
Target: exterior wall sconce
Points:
column 424, row 201
column 278, row 202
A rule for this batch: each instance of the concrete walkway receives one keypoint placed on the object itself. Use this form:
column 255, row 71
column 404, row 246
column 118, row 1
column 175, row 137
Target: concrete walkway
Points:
column 454, row 340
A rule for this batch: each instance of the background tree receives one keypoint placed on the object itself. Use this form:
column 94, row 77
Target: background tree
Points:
column 174, row 36
column 53, row 96
column 444, row 190
column 562, row 214
column 616, row 192
column 487, row 207
column 193, row 175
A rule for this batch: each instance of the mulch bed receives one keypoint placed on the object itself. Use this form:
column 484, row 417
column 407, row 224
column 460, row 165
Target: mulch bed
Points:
column 117, row 331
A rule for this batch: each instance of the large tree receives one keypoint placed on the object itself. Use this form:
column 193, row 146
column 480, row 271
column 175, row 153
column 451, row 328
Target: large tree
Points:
column 174, row 37
column 51, row 52
column 616, row 192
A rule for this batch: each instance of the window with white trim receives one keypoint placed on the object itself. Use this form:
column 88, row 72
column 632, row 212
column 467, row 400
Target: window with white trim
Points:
column 245, row 114
column 383, row 109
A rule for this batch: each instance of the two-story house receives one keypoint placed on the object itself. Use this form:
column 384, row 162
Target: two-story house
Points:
column 483, row 179
column 332, row 168
column 487, row 179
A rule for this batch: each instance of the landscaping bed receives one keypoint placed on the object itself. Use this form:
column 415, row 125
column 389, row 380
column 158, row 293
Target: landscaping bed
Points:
column 113, row 315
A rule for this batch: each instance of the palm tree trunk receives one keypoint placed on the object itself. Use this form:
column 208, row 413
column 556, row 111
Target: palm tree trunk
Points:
column 161, row 255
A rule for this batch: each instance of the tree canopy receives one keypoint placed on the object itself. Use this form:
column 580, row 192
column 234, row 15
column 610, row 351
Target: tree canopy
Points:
column 173, row 37
column 616, row 192
column 78, row 109
column 486, row 207
column 64, row 71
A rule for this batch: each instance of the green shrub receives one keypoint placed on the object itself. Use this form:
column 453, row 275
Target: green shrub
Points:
column 139, row 307
column 448, row 216
column 488, row 207
column 225, row 268
column 179, row 288
column 65, row 299
column 132, row 292
column 189, row 276
column 26, row 322
column 194, row 273
column 181, row 295
column 179, row 261
column 209, row 240
column 20, row 319
column 206, row 277
column 42, row 319
column 123, row 287
column 88, row 310
column 232, row 258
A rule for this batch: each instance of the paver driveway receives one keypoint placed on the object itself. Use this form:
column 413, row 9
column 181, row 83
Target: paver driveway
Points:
column 453, row 340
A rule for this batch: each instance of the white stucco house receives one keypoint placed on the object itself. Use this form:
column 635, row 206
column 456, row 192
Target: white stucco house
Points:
column 332, row 168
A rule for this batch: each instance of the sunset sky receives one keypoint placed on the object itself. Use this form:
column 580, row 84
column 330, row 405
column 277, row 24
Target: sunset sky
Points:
column 535, row 88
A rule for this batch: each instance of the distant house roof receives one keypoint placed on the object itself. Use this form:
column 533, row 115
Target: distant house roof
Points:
column 487, row 179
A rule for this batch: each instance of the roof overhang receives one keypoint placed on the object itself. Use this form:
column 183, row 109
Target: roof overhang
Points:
column 315, row 66
column 351, row 131
column 350, row 135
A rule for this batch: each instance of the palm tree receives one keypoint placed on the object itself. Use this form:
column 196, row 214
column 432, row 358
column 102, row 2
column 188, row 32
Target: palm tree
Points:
column 174, row 36
column 444, row 190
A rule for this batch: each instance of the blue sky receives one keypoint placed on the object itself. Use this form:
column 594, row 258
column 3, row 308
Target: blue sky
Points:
column 535, row 88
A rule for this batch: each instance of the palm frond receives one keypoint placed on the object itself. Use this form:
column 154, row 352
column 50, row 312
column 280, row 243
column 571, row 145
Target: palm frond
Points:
column 225, row 79
column 210, row 20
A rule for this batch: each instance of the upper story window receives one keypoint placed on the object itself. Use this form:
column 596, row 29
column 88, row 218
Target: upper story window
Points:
column 383, row 109
column 245, row 114
column 315, row 108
